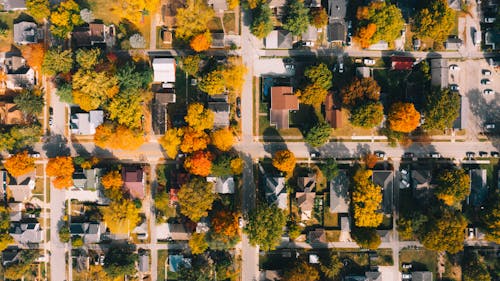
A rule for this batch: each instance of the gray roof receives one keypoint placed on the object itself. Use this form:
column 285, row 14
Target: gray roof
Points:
column 26, row 233
column 336, row 31
column 453, row 44
column 336, row 9
column 279, row 39
column 12, row 5
column 86, row 123
column 276, row 191
column 339, row 198
column 217, row 39
column 144, row 263
column 421, row 276
column 89, row 231
column 22, row 186
column 86, row 179
column 311, row 34
column 15, row 64
column 221, row 113
column 25, row 32
column 421, row 178
column 307, row 183
column 382, row 178
column 224, row 185
column 373, row 276
column 439, row 72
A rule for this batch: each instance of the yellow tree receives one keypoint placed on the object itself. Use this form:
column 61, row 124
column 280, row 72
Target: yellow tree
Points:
column 213, row 83
column 196, row 198
column 19, row 164
column 234, row 75
column 198, row 117
column 313, row 94
column 109, row 135
column 171, row 141
column 237, row 166
column 366, row 200
column 193, row 19
column 121, row 216
column 452, row 186
column 201, row 42
column 61, row 168
column 133, row 10
column 65, row 18
column 284, row 160
column 112, row 179
column 403, row 117
column 223, row 139
column 194, row 140
column 197, row 243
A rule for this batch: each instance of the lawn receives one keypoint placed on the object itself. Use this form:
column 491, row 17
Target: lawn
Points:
column 332, row 235
column 330, row 219
column 384, row 257
column 162, row 257
column 7, row 18
column 421, row 259
column 349, row 130
column 229, row 21
column 215, row 25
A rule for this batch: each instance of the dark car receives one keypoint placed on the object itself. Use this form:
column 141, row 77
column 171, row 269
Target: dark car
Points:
column 408, row 155
column 494, row 154
column 434, row 155
column 379, row 153
column 238, row 101
column 238, row 112
column 470, row 154
column 483, row 154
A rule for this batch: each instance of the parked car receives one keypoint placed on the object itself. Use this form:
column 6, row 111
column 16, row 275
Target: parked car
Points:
column 489, row 20
column 404, row 172
column 379, row 154
column 471, row 233
column 435, row 155
column 485, row 81
column 406, row 276
column 454, row 87
column 407, row 266
column 101, row 259
column 314, row 154
column 489, row 126
column 494, row 154
column 486, row 72
column 238, row 101
column 369, row 61
column 51, row 121
column 454, row 67
column 488, row 92
column 408, row 155
column 240, row 222
column 405, row 183
column 483, row 154
column 35, row 155
column 348, row 41
column 470, row 154
column 238, row 112
column 341, row 68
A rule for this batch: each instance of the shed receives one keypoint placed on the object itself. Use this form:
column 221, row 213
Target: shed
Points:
column 279, row 39
column 164, row 70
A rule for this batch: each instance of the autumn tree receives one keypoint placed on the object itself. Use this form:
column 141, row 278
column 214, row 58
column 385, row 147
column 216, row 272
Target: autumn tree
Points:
column 199, row 163
column 120, row 261
column 370, row 160
column 92, row 89
column 88, row 59
column 109, row 135
column 491, row 219
column 19, row 164
column 301, row 272
column 330, row 169
column 171, row 141
column 474, row 268
column 332, row 266
column 435, row 21
column 226, row 222
column 380, row 20
column 30, row 101
column 253, row 4
column 5, row 238
column 57, row 61
column 134, row 10
column 196, row 198
column 198, row 117
column 38, row 9
column 366, row 200
column 319, row 17
column 221, row 167
column 193, row 19
column 265, row 226
column 213, row 83
column 445, row 232
column 197, row 243
column 313, row 94
column 33, row 54
column 403, row 117
column 193, row 140
column 262, row 23
column 61, row 168
column 366, row 237
column 319, row 134
column 201, row 42
column 237, row 166
column 367, row 115
column 452, row 186
column 320, row 75
column 365, row 35
column 191, row 64
column 284, row 160
column 360, row 91
column 64, row 233
column 126, row 109
column 17, row 270
column 112, row 180
column 234, row 75
column 232, row 4
column 65, row 17
column 442, row 109
column 121, row 216
column 223, row 139
column 296, row 18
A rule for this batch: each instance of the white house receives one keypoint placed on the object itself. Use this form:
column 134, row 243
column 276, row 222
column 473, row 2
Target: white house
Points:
column 164, row 70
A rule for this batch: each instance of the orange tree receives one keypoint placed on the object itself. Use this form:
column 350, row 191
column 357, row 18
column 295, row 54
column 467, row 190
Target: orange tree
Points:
column 360, row 91
column 370, row 160
column 109, row 135
column 199, row 163
column 194, row 140
column 19, row 164
column 223, row 139
column 403, row 117
column 112, row 179
column 226, row 223
column 201, row 42
column 284, row 160
column 61, row 168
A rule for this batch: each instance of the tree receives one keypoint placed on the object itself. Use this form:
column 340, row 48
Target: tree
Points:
column 452, row 186
column 319, row 17
column 234, row 75
column 366, row 200
column 91, row 89
column 200, row 269
column 253, row 4
column 367, row 115
column 294, row 229
column 491, row 219
column 193, row 19
column 61, row 168
column 213, row 83
column 332, row 266
column 301, row 272
column 88, row 59
column 120, row 261
column 109, row 135
column 197, row 243
column 33, row 54
column 330, row 169
column 201, row 42
column 171, row 141
column 126, row 109
column 474, row 269
column 223, row 139
column 5, row 238
column 193, row 140
column 442, row 109
column 196, row 198
column 199, row 163
column 320, row 75
column 30, row 101
column 237, row 166
column 365, row 35
column 435, row 21
column 445, row 232
column 262, row 23
column 131, row 78
column 112, row 180
column 232, row 4
column 77, row 241
column 134, row 10
column 313, row 94
column 383, row 21
column 137, row 41
column 319, row 134
column 296, row 18
column 226, row 223
column 64, row 234
column 65, row 18
column 222, row 166
column 87, row 15
column 191, row 64
column 57, row 61
column 65, row 92
column 265, row 226
column 121, row 216
column 198, row 117
column 284, row 160
column 366, row 237
column 20, row 137
column 370, row 160
column 359, row 91
column 38, row 9
column 17, row 270
column 403, row 117
column 19, row 164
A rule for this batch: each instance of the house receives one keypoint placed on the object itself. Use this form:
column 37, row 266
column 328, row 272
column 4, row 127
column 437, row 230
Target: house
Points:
column 164, row 95
column 20, row 187
column 310, row 35
column 10, row 114
column 439, row 73
column 221, row 113
column 385, row 179
column 339, row 193
column 164, row 70
column 278, row 39
column 133, row 181
column 402, row 63
column 276, row 191
column 307, row 183
column 172, row 231
column 141, row 231
column 277, row 8
column 333, row 112
column 317, row 236
column 143, row 262
column 86, row 187
column 86, row 123
column 453, row 44
column 18, row 74
column 478, row 187
column 421, row 182
column 336, row 10
column 166, row 36
column 26, row 32
column 305, row 202
column 336, row 32
column 455, row 5
column 282, row 101
column 421, row 276
column 217, row 40
column 369, row 276
column 219, row 6
column 16, row 211
column 10, row 255
column 90, row 232
column 14, row 5
column 224, row 185
column 26, row 233
column 93, row 35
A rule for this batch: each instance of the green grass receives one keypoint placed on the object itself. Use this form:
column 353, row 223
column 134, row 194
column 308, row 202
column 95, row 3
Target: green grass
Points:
column 330, row 219
column 162, row 257
column 229, row 21
column 421, row 259
column 7, row 40
column 384, row 257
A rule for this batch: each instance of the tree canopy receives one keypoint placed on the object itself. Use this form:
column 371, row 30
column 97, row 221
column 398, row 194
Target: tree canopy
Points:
column 320, row 75
column 61, row 168
column 65, row 18
column 223, row 139
column 19, row 164
column 387, row 20
column 445, row 232
column 367, row 115
column 319, row 17
column 452, row 186
column 193, row 19
column 17, row 270
column 284, row 160
column 262, row 23
column 112, row 179
column 109, row 135
column 30, row 101
column 57, row 61
column 366, row 200
column 301, row 272
column 194, row 140
column 88, row 59
column 5, row 238
column 332, row 266
column 360, row 91
column 197, row 243
column 199, row 163
column 38, row 9
column 171, row 141
column 213, row 83
column 443, row 108
column 313, row 94
column 329, row 169
column 366, row 237
column 91, row 89
column 234, row 75
column 122, row 215
column 474, row 268
column 403, row 117
column 191, row 64
column 120, row 261
column 134, row 10
column 198, row 117
column 265, row 226
column 196, row 198
column 296, row 18
column 126, row 109
column 201, row 42
column 319, row 134
column 435, row 21
column 491, row 219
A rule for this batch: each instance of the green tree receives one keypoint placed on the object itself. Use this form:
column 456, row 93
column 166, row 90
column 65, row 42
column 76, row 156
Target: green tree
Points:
column 5, row 238
column 262, row 23
column 332, row 266
column 57, row 61
column 319, row 134
column 445, row 232
column 301, row 272
column 265, row 226
column 197, row 243
column 366, row 237
column 491, row 219
column 193, row 19
column 191, row 64
column 196, row 198
column 38, row 9
column 77, row 241
column 435, row 21
column 130, row 77
column 294, row 229
column 65, row 92
column 452, row 186
column 320, row 75
column 24, row 136
column 64, row 234
column 387, row 19
column 199, row 270
column 313, row 94
column 319, row 17
column 92, row 89
column 330, row 169
column 213, row 83
column 126, row 109
column 474, row 269
column 296, row 19
column 120, row 261
column 443, row 108
column 367, row 115
column 30, row 101
column 222, row 166
column 87, row 59
column 65, row 17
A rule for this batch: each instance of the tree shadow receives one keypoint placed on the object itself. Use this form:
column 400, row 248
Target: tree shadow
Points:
column 24, row 17
column 336, row 149
column 56, row 145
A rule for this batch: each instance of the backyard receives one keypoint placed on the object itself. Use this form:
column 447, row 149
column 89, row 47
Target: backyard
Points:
column 421, row 259
column 7, row 20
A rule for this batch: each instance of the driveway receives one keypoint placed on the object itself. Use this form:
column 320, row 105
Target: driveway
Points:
column 57, row 248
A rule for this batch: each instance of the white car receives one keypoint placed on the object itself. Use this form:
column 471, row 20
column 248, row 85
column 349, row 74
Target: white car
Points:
column 489, row 20
column 405, row 183
column 489, row 126
column 369, row 61
column 454, row 67
column 341, row 68
column 488, row 92
column 486, row 72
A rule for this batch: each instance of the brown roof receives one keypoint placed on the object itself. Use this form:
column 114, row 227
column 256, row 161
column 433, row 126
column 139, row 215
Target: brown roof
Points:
column 305, row 200
column 317, row 236
column 282, row 98
column 132, row 178
column 10, row 114
column 333, row 114
column 96, row 31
